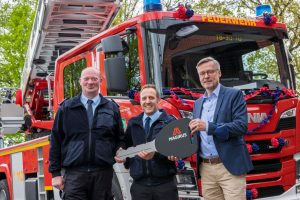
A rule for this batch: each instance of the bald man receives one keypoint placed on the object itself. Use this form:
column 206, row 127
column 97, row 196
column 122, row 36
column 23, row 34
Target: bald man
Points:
column 86, row 133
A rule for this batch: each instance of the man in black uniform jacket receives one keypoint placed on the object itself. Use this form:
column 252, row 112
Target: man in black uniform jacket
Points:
column 86, row 133
column 153, row 174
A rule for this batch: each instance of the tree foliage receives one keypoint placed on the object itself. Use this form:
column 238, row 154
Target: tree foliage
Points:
column 132, row 8
column 12, row 139
column 16, row 20
column 128, row 9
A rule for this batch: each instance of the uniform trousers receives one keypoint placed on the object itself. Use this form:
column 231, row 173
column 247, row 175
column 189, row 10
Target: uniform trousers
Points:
column 95, row 185
column 165, row 191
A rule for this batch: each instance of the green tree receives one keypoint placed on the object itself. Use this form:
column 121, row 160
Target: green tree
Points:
column 16, row 20
column 287, row 11
column 12, row 139
column 132, row 8
column 128, row 9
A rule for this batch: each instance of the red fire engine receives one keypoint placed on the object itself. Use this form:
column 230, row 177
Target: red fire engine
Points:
column 161, row 48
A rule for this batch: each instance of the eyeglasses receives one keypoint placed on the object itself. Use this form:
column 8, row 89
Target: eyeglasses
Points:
column 208, row 72
column 90, row 78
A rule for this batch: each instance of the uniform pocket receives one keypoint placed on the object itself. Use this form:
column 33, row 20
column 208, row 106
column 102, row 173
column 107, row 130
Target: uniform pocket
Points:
column 103, row 152
column 105, row 118
column 74, row 153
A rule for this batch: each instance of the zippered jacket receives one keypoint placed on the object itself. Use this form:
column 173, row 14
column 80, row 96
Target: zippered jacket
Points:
column 73, row 145
column 159, row 169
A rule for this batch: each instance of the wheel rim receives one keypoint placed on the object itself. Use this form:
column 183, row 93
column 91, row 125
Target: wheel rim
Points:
column 3, row 195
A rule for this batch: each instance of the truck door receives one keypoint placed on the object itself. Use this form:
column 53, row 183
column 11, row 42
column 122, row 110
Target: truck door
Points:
column 67, row 77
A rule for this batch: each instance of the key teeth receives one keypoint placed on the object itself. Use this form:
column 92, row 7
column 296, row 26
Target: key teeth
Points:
column 131, row 152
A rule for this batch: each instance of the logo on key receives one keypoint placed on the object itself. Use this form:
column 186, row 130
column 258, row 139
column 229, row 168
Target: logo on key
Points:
column 177, row 134
column 176, row 131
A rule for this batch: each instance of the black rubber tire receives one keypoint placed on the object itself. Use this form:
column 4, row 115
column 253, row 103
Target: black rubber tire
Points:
column 4, row 193
column 116, row 189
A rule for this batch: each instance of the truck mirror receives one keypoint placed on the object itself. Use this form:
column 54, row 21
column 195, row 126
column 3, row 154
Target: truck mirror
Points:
column 116, row 79
column 112, row 44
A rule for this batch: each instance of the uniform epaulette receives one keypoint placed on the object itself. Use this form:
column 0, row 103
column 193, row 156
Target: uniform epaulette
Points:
column 115, row 102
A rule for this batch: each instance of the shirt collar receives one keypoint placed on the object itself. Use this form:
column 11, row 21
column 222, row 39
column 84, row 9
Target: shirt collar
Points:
column 84, row 99
column 153, row 116
column 215, row 92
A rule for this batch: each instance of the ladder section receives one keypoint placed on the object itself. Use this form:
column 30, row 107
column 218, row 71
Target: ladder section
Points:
column 42, row 194
column 59, row 26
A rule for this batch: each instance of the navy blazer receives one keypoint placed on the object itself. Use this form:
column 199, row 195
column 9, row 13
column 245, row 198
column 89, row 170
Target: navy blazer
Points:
column 228, row 128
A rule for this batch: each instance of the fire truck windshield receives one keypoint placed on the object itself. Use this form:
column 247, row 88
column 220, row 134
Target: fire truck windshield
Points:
column 250, row 57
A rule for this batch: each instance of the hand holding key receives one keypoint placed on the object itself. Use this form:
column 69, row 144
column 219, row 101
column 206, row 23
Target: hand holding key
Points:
column 146, row 155
column 197, row 125
column 117, row 158
column 174, row 140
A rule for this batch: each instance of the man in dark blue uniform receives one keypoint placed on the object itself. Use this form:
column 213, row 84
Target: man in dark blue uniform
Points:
column 86, row 133
column 153, row 174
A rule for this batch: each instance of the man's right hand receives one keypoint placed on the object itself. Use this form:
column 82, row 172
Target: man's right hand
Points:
column 58, row 182
column 146, row 155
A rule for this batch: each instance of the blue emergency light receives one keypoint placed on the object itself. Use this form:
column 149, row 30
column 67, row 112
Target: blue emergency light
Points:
column 152, row 5
column 261, row 9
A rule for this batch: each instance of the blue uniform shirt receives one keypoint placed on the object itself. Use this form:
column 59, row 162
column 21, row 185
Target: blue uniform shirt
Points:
column 153, row 117
column 96, row 101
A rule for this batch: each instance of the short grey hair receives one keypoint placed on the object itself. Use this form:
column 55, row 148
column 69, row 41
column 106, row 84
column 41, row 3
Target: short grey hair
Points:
column 208, row 59
column 90, row 69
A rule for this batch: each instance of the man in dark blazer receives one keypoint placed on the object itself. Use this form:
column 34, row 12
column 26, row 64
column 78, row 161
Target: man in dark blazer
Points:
column 220, row 121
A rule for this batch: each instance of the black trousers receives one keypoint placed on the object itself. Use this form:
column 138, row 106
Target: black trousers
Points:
column 165, row 191
column 88, row 185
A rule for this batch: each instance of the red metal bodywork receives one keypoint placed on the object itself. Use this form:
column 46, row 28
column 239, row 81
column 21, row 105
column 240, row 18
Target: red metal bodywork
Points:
column 30, row 165
column 5, row 170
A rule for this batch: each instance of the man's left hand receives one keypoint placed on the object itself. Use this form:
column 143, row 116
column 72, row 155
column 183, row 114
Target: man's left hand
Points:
column 197, row 125
column 146, row 155
column 117, row 158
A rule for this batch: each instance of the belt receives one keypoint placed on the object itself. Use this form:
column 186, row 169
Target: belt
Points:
column 212, row 161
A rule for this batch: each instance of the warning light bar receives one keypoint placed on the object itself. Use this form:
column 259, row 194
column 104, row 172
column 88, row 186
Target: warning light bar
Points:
column 263, row 8
column 152, row 5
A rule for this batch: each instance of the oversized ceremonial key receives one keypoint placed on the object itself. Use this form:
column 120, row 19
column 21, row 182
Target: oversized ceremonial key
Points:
column 132, row 151
column 173, row 140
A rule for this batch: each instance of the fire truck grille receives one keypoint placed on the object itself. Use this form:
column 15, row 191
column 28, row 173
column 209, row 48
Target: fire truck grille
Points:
column 263, row 166
column 286, row 123
column 265, row 146
column 270, row 191
column 263, row 180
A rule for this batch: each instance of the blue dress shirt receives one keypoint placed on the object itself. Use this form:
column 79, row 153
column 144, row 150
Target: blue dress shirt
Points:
column 208, row 148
